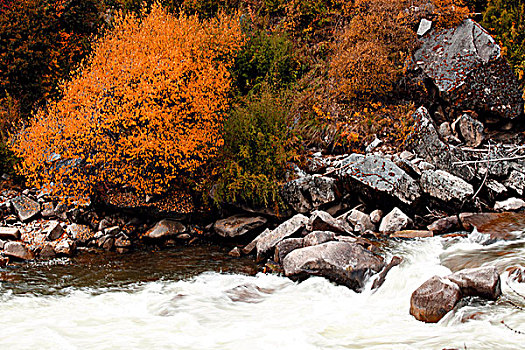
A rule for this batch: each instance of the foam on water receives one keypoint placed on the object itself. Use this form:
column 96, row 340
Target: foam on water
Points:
column 233, row 311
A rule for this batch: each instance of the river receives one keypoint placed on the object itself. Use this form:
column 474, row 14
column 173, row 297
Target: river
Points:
column 199, row 298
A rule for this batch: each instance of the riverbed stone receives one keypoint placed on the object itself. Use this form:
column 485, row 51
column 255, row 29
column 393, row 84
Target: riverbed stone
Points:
column 318, row 237
column 434, row 299
column 25, row 207
column 394, row 221
column 268, row 241
column 482, row 282
column 497, row 225
column 285, row 246
column 18, row 250
column 360, row 221
column 53, row 231
column 466, row 66
column 516, row 181
column 378, row 282
column 66, row 247
column 412, row 234
column 322, row 221
column 164, row 229
column 80, row 233
column 344, row 263
column 376, row 216
column 445, row 186
column 47, row 252
column 10, row 233
column 445, row 225
column 375, row 177
column 238, row 225
column 510, row 204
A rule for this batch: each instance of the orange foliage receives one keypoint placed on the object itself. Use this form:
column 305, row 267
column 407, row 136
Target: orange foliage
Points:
column 369, row 57
column 450, row 13
column 145, row 113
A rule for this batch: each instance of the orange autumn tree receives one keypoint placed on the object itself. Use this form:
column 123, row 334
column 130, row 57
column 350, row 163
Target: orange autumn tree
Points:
column 145, row 112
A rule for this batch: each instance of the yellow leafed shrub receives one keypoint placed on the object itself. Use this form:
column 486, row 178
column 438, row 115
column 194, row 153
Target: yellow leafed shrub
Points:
column 146, row 112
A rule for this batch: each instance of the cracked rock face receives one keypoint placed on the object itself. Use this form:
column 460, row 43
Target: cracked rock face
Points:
column 309, row 192
column 444, row 186
column 466, row 65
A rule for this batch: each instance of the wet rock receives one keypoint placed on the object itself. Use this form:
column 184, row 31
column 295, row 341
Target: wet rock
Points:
column 498, row 225
column 318, row 237
column 48, row 210
column 322, row 221
column 25, row 207
column 285, row 246
column 471, row 130
column 165, row 228
column 426, row 143
column 412, row 234
column 238, row 225
column 466, row 66
column 235, row 252
column 510, row 204
column 482, row 282
column 360, row 221
column 344, row 263
column 47, row 252
column 18, row 250
column 376, row 216
column 434, row 299
column 396, row 260
column 53, row 231
column 309, row 192
column 286, row 229
column 516, row 181
column 66, row 247
column 375, row 177
column 394, row 221
column 444, row 225
column 10, row 233
column 446, row 187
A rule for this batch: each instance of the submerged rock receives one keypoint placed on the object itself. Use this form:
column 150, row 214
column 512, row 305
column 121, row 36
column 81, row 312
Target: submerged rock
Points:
column 498, row 225
column 344, row 263
column 434, row 299
column 238, row 225
column 444, row 225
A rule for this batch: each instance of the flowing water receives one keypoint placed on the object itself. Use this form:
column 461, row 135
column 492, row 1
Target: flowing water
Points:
column 199, row 298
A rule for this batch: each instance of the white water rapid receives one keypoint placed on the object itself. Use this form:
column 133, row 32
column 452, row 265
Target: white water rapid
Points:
column 233, row 311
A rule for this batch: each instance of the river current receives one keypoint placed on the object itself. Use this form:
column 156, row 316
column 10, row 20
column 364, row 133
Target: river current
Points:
column 199, row 298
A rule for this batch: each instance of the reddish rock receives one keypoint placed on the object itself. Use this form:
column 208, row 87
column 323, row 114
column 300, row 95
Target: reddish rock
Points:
column 412, row 234
column 53, row 231
column 47, row 252
column 235, row 252
column 444, row 225
column 482, row 282
column 498, row 225
column 434, row 299
column 165, row 228
column 9, row 233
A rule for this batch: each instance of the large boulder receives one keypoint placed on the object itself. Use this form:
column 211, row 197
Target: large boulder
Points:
column 434, row 299
column 25, row 207
column 18, row 250
column 427, row 144
column 309, row 192
column 286, row 246
column 498, row 225
column 268, row 240
column 510, row 204
column 375, row 177
column 445, row 186
column 165, row 228
column 466, row 66
column 10, row 233
column 318, row 237
column 344, row 263
column 516, row 181
column 238, row 225
column 322, row 221
column 359, row 220
column 482, row 282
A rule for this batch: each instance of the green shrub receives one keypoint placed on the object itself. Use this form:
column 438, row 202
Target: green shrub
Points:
column 257, row 149
column 266, row 59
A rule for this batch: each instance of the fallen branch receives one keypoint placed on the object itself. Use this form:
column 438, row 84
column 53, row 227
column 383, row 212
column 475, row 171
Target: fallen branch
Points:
column 488, row 160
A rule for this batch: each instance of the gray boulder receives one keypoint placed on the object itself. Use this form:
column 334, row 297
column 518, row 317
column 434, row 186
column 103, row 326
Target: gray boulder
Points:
column 434, row 299
column 53, row 231
column 466, row 66
column 318, row 237
column 238, row 225
column 375, row 177
column 322, row 221
column 395, row 221
column 10, row 233
column 18, row 250
column 510, row 204
column 516, row 181
column 344, row 263
column 286, row 246
column 268, row 241
column 482, row 282
column 25, row 207
column 309, row 192
column 445, row 186
column 360, row 221
column 426, row 143
column 165, row 228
